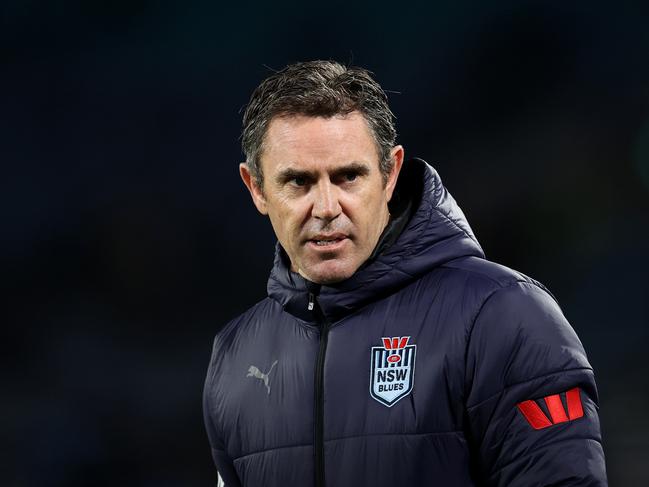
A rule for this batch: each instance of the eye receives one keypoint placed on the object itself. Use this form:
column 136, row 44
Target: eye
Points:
column 299, row 181
column 351, row 176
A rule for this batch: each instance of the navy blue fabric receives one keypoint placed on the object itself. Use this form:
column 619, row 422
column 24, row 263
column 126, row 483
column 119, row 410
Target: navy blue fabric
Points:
column 487, row 338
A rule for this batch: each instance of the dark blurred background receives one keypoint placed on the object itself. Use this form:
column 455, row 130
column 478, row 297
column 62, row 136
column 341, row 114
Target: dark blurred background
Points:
column 128, row 238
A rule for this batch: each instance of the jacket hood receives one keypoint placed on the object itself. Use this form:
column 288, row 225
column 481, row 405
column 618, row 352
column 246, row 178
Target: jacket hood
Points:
column 436, row 233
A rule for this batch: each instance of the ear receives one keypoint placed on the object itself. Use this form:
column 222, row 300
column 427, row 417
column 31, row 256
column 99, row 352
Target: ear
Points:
column 396, row 154
column 256, row 192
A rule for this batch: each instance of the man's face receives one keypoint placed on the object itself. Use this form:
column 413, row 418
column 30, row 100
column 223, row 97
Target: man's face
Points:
column 324, row 192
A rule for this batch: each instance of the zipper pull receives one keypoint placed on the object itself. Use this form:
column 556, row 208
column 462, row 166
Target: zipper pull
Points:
column 311, row 302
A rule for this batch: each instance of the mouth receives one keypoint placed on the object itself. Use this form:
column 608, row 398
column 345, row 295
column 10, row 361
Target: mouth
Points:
column 327, row 242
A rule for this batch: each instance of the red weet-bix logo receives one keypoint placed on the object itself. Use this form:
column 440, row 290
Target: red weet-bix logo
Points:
column 537, row 418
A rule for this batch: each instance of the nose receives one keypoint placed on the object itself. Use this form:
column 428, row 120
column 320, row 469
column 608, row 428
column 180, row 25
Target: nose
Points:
column 326, row 205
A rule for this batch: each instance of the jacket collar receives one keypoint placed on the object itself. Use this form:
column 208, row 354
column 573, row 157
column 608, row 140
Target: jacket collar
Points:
column 437, row 232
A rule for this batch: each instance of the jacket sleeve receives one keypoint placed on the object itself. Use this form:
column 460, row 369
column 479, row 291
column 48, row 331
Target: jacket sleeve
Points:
column 226, row 474
column 531, row 396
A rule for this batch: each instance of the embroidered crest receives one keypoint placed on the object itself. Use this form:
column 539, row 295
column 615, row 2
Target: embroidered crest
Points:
column 392, row 370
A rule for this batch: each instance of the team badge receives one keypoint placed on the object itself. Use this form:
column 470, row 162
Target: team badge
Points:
column 392, row 370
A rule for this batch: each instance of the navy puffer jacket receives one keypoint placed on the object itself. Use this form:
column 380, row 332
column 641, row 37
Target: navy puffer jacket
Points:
column 430, row 366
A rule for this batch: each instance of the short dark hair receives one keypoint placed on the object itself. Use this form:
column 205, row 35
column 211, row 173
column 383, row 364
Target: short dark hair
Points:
column 317, row 89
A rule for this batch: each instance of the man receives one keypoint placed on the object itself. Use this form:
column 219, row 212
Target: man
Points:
column 389, row 351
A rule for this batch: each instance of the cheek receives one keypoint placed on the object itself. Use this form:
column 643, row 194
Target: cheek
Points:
column 370, row 206
column 285, row 221
column 372, row 213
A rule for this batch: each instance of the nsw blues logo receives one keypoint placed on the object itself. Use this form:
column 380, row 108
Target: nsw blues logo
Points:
column 392, row 370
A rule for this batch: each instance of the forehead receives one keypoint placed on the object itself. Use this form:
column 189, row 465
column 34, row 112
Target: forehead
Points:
column 318, row 142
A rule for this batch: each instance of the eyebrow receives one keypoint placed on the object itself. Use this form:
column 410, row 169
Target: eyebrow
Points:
column 287, row 174
column 359, row 168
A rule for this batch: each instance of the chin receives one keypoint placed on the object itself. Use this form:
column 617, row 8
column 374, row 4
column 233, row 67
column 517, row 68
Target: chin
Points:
column 330, row 272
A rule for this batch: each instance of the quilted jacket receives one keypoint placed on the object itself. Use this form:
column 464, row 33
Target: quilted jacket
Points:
column 430, row 366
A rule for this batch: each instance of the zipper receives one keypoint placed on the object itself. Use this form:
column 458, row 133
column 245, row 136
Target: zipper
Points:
column 319, row 391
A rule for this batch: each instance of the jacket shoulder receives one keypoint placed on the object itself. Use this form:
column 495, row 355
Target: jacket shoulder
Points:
column 230, row 329
column 231, row 333
column 490, row 275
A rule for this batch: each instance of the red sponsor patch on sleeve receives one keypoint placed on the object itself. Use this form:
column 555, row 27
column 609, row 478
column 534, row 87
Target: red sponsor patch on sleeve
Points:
column 537, row 419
